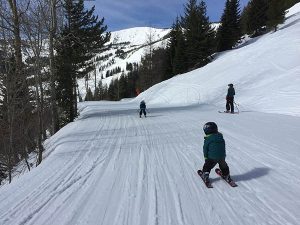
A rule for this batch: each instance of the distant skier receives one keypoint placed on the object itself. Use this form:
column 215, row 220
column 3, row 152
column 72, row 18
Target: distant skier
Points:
column 230, row 99
column 143, row 109
column 214, row 152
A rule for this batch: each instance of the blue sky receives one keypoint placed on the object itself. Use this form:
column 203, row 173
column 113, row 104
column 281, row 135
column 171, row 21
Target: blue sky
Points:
column 121, row 14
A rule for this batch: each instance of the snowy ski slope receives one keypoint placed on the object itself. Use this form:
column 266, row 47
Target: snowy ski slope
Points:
column 112, row 168
column 265, row 72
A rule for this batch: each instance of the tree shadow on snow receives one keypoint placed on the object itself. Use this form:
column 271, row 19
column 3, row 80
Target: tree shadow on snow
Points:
column 253, row 174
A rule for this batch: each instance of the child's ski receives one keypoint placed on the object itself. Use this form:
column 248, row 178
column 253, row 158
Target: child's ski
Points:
column 231, row 183
column 208, row 184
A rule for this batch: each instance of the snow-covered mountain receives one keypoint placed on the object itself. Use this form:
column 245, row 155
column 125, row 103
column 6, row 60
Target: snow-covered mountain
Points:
column 111, row 167
column 127, row 46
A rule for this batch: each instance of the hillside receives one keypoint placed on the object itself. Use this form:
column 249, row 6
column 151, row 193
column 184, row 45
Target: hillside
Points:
column 111, row 167
column 265, row 72
column 127, row 46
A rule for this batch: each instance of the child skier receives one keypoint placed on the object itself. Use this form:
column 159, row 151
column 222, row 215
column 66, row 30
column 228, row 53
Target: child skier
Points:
column 142, row 108
column 214, row 152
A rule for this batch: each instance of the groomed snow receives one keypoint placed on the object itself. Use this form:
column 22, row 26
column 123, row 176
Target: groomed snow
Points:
column 111, row 167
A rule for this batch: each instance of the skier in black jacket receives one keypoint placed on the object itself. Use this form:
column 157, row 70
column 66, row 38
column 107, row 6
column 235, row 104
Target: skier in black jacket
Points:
column 230, row 99
column 143, row 109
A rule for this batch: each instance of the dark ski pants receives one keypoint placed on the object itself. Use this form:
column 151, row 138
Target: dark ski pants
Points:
column 211, row 163
column 229, row 104
column 143, row 111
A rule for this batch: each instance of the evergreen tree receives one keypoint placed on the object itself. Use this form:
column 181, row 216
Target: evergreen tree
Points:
column 132, row 81
column 257, row 16
column 176, row 60
column 123, row 87
column 229, row 32
column 159, row 59
column 171, row 49
column 89, row 95
column 113, row 90
column 290, row 3
column 198, row 34
column 245, row 19
column 207, row 42
column 275, row 13
column 190, row 24
column 81, row 39
column 102, row 91
column 180, row 64
column 97, row 94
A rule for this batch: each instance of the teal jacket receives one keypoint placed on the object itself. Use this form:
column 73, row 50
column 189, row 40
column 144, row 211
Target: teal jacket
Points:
column 214, row 147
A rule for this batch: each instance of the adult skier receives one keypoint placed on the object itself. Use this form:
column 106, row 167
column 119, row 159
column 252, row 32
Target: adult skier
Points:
column 230, row 99
column 143, row 109
column 214, row 152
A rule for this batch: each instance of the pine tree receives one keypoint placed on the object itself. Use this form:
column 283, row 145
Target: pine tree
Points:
column 290, row 3
column 81, row 39
column 207, row 42
column 229, row 31
column 176, row 59
column 133, row 76
column 172, row 42
column 275, row 13
column 180, row 62
column 123, row 87
column 198, row 34
column 89, row 95
column 257, row 17
column 97, row 94
column 245, row 19
column 113, row 90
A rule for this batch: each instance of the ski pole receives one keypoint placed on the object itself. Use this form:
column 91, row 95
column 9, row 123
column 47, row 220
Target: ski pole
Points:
column 236, row 105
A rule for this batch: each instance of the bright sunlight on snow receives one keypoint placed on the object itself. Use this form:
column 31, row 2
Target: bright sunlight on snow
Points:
column 111, row 167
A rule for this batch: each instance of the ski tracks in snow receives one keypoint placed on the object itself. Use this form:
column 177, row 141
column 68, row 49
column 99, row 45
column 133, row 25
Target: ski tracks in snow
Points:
column 118, row 169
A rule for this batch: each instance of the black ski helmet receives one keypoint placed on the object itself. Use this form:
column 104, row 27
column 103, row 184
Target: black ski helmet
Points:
column 210, row 128
column 230, row 85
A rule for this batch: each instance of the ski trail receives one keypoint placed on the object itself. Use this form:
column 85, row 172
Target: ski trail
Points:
column 123, row 170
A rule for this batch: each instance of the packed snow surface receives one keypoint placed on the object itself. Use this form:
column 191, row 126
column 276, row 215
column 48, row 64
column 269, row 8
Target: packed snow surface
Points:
column 111, row 167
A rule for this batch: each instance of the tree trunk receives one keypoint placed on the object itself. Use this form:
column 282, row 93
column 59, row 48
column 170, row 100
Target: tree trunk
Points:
column 18, row 79
column 53, row 28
